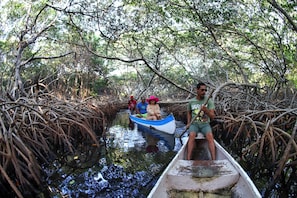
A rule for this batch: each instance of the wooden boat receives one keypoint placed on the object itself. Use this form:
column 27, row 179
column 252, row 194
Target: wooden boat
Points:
column 166, row 125
column 161, row 129
column 202, row 177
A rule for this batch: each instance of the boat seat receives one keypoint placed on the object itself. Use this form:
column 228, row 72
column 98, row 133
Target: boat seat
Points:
column 206, row 175
column 200, row 136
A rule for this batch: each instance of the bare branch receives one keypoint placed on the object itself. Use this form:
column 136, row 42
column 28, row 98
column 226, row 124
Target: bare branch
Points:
column 279, row 8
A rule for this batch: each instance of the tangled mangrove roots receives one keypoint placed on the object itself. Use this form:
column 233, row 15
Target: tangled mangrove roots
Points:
column 260, row 130
column 34, row 129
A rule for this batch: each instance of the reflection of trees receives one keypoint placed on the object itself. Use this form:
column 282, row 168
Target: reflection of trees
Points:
column 135, row 161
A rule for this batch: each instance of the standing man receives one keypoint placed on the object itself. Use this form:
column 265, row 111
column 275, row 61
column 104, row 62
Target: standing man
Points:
column 201, row 123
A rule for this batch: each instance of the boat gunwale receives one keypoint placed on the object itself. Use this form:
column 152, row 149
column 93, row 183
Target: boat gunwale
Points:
column 167, row 119
column 180, row 155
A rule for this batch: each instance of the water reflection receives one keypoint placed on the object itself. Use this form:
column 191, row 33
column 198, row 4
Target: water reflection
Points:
column 126, row 139
column 125, row 169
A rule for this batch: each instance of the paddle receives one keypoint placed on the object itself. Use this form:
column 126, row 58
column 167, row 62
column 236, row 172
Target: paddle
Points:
column 196, row 116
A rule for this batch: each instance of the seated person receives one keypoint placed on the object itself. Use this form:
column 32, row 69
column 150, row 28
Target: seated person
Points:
column 132, row 104
column 141, row 108
column 153, row 109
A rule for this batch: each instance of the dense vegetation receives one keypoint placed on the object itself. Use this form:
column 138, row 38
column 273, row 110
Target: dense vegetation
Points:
column 52, row 52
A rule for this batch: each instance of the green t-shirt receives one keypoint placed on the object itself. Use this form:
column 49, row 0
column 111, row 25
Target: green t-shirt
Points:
column 194, row 106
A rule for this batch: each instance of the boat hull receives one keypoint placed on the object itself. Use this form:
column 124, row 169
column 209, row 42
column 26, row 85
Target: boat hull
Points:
column 166, row 125
column 201, row 176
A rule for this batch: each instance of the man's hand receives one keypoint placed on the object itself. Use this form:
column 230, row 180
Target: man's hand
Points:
column 208, row 112
column 204, row 109
column 187, row 126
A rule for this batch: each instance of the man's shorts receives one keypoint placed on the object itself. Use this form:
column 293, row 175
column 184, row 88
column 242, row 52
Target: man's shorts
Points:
column 203, row 128
column 144, row 115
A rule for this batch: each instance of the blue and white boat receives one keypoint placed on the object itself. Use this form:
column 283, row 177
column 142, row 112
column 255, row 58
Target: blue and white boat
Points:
column 166, row 125
column 161, row 129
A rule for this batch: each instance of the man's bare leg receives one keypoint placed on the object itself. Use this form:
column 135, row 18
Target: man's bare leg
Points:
column 211, row 145
column 191, row 144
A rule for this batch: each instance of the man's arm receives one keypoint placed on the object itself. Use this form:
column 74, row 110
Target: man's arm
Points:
column 137, row 109
column 189, row 118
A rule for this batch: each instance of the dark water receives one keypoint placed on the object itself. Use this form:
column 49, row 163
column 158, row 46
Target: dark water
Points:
column 125, row 168
column 122, row 168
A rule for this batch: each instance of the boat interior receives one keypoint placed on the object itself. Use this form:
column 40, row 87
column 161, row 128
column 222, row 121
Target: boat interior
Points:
column 203, row 177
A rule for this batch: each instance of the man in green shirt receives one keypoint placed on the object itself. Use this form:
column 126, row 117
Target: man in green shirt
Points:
column 201, row 123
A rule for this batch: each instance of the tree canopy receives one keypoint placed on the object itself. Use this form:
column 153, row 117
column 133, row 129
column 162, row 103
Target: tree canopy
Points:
column 173, row 44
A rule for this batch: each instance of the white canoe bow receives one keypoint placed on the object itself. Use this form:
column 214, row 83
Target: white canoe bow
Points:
column 202, row 177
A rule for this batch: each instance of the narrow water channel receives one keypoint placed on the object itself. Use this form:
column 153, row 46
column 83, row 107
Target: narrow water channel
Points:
column 125, row 168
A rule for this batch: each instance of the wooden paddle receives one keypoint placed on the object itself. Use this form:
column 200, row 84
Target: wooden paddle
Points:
column 196, row 116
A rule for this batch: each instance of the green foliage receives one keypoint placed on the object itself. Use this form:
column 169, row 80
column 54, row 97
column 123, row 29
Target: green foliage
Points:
column 292, row 76
column 98, row 86
column 242, row 41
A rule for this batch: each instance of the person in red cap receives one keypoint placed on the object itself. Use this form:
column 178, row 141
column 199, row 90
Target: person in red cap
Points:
column 153, row 109
column 132, row 104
